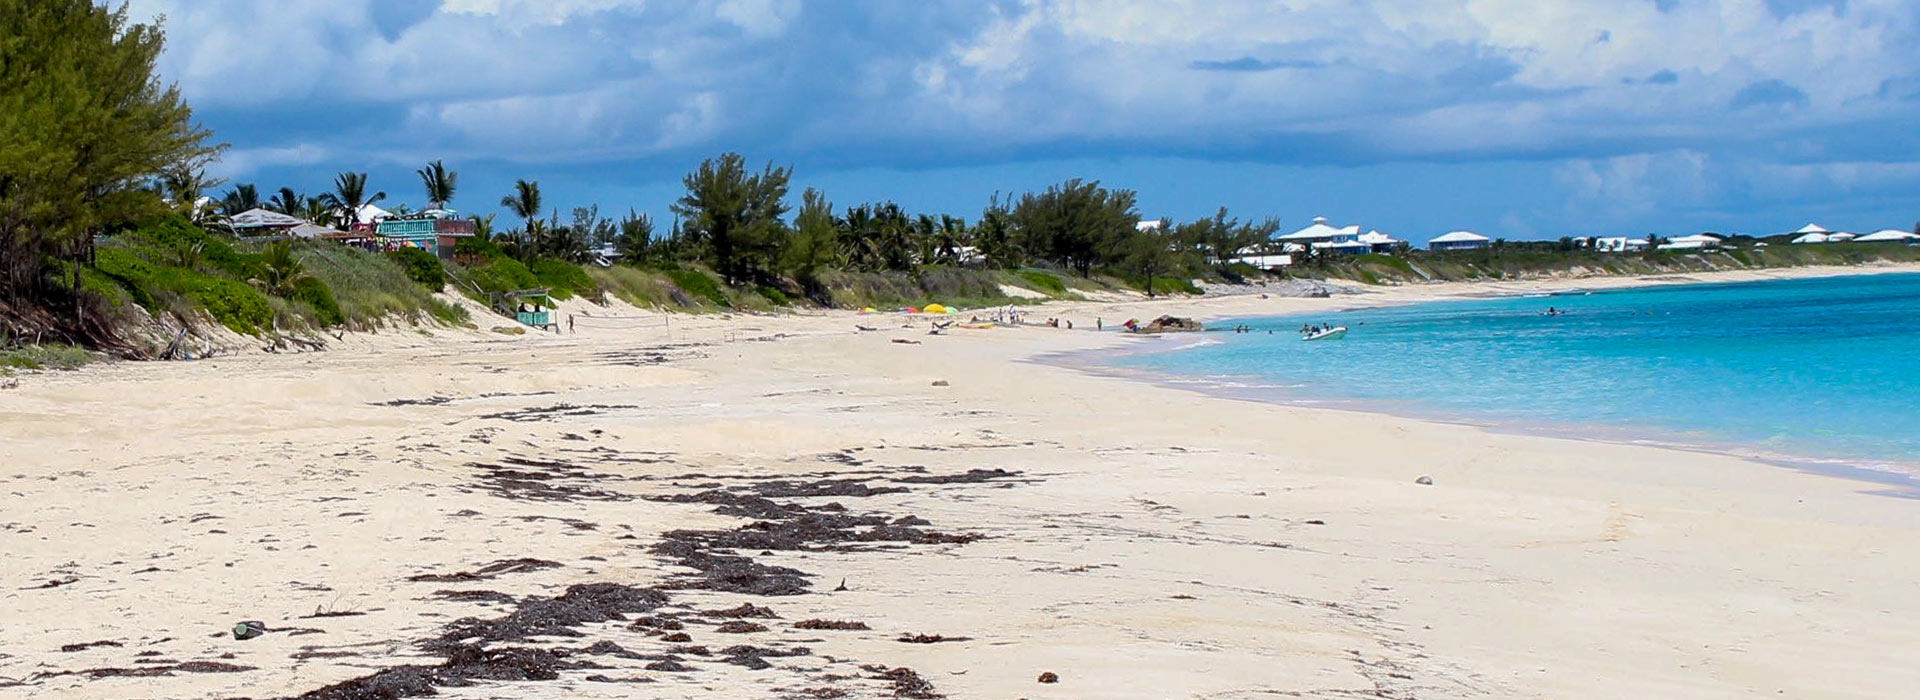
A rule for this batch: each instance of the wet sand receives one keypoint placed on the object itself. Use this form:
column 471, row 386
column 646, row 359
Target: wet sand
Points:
column 788, row 508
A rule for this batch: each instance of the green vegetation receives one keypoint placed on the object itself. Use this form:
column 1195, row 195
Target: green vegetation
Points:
column 422, row 267
column 1041, row 281
column 698, row 285
column 564, row 279
column 85, row 132
column 370, row 286
column 62, row 357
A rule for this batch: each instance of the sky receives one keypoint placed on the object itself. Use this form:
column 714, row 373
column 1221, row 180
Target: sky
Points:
column 1513, row 118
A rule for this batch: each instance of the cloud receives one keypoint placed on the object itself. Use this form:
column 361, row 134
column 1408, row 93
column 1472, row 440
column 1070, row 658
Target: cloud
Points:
column 1808, row 92
column 1660, row 77
column 1772, row 91
column 1252, row 65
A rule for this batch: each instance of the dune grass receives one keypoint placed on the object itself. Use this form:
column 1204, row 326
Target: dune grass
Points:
column 62, row 357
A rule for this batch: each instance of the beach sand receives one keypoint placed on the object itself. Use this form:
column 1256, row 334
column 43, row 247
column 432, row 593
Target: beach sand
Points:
column 1141, row 541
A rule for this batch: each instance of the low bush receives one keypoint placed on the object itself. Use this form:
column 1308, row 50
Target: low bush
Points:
column 564, row 279
column 422, row 267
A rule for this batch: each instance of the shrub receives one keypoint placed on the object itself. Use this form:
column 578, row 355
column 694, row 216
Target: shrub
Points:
column 44, row 357
column 234, row 305
column 565, row 279
column 314, row 293
column 1043, row 282
column 699, row 285
column 776, row 296
column 422, row 267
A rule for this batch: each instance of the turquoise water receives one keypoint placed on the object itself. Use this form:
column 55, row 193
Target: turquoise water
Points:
column 1820, row 370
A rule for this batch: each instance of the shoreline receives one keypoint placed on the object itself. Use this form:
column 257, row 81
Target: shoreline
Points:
column 1139, row 541
column 1903, row 478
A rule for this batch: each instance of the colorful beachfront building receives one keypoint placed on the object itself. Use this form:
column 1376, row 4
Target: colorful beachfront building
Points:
column 436, row 232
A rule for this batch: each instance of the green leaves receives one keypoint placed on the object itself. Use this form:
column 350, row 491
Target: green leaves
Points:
column 86, row 134
column 439, row 183
column 736, row 215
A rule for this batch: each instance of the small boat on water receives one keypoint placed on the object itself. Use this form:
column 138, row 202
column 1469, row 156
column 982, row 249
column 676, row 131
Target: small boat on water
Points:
column 1334, row 333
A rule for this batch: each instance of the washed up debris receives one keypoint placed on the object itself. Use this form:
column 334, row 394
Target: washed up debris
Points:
column 942, row 382
column 838, row 625
column 490, row 571
column 740, row 627
column 70, row 648
column 1424, row 480
column 971, row 476
column 906, row 683
column 249, row 629
column 745, row 610
column 929, row 639
column 1049, row 677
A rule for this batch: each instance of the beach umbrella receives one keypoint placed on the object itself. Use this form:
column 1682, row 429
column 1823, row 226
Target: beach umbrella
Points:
column 935, row 309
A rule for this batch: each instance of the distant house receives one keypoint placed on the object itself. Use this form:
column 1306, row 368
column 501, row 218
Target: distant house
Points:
column 1703, row 241
column 318, row 232
column 1459, row 240
column 1840, row 237
column 1319, row 236
column 1378, row 242
column 1812, row 237
column 435, row 231
column 1610, row 244
column 1258, row 259
column 261, row 222
column 1888, row 236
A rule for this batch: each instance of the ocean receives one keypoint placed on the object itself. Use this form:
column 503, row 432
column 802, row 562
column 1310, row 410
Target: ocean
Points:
column 1812, row 371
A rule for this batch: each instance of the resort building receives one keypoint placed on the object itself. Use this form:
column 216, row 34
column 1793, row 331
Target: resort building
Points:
column 1378, row 242
column 1610, row 244
column 1319, row 236
column 1811, row 237
column 1256, row 258
column 435, row 231
column 1703, row 241
column 1888, row 236
column 1840, row 237
column 261, row 222
column 1459, row 240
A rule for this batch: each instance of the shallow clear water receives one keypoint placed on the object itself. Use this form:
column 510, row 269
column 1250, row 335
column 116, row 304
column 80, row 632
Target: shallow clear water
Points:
column 1817, row 370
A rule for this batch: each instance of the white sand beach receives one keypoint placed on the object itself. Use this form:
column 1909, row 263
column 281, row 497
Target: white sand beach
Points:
column 1147, row 542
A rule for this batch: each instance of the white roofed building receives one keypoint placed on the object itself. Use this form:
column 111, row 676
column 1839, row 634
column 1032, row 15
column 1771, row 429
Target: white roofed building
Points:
column 1319, row 235
column 1459, row 240
column 1888, row 236
column 1811, row 237
column 1701, row 241
column 255, row 222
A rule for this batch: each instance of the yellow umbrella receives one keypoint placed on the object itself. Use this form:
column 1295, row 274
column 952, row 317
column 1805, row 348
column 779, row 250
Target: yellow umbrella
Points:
column 935, row 309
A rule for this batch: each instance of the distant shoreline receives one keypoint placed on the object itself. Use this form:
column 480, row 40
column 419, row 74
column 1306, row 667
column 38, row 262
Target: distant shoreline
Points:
column 1902, row 477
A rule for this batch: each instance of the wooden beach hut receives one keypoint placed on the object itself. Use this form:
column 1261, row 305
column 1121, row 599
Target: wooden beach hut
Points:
column 531, row 307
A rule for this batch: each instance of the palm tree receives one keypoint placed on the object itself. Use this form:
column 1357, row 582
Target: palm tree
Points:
column 288, row 202
column 241, row 198
column 439, row 182
column 524, row 202
column 184, row 188
column 280, row 272
column 325, row 210
column 350, row 192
